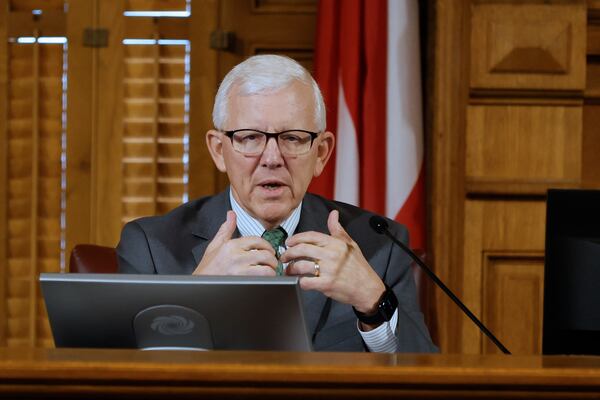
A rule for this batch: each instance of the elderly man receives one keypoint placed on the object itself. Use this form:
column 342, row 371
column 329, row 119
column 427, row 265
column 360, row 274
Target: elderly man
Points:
column 270, row 139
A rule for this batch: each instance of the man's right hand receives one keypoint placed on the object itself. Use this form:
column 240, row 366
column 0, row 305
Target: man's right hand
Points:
column 250, row 255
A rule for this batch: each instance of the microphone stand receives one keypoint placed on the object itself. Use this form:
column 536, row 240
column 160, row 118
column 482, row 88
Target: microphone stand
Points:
column 380, row 226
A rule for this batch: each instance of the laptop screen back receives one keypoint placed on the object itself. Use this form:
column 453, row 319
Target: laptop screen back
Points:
column 165, row 311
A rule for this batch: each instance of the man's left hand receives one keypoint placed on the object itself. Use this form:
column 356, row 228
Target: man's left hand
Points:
column 344, row 273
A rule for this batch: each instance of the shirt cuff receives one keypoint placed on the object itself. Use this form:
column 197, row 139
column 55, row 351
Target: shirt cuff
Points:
column 383, row 338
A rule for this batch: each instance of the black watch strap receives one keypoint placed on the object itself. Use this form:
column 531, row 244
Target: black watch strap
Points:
column 385, row 309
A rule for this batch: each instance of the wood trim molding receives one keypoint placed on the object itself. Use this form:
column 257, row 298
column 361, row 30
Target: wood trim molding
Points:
column 79, row 126
column 131, row 374
column 507, row 278
column 449, row 102
column 3, row 165
column 274, row 6
column 483, row 187
column 107, row 147
column 527, row 97
column 203, row 176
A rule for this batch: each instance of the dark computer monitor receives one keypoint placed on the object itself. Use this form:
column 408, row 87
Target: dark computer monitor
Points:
column 175, row 312
column 572, row 273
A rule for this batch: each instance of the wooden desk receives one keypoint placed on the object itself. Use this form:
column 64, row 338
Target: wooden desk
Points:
column 71, row 373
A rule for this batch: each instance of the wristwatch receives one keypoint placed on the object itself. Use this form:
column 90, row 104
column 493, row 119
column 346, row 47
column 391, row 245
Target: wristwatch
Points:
column 385, row 309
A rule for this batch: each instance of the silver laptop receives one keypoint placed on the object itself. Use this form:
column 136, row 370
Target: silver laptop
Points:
column 175, row 312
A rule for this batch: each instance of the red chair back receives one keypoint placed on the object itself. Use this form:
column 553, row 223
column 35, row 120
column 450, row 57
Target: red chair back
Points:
column 91, row 258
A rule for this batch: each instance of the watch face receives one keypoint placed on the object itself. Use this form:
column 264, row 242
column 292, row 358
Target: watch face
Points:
column 388, row 304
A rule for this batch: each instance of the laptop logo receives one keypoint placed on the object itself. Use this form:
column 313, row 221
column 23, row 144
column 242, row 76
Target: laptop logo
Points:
column 172, row 325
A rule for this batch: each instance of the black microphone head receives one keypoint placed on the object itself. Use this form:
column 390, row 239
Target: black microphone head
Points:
column 379, row 224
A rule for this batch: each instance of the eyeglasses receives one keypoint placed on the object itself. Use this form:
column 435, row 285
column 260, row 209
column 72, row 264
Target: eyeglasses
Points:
column 252, row 142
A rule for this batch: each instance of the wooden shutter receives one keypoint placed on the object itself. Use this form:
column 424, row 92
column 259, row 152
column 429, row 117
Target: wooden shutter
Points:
column 155, row 128
column 142, row 144
column 34, row 173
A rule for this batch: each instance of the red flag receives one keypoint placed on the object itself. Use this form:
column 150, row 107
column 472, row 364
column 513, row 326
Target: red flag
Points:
column 367, row 64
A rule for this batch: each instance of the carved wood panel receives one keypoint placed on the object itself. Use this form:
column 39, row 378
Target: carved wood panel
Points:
column 513, row 288
column 528, row 45
column 507, row 145
column 493, row 227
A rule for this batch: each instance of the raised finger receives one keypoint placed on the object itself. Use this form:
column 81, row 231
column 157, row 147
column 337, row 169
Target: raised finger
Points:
column 335, row 228
column 225, row 230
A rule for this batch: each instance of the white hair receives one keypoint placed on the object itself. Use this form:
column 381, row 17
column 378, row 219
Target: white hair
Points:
column 263, row 73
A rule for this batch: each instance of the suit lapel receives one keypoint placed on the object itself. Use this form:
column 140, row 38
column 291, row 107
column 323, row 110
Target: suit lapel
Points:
column 313, row 218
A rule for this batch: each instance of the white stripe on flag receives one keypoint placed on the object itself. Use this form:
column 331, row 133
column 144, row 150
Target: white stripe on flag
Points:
column 346, row 156
column 404, row 114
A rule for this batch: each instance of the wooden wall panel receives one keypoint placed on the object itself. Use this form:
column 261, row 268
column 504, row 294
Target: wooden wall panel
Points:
column 204, row 77
column 528, row 45
column 529, row 127
column 449, row 95
column 513, row 288
column 592, row 88
column 81, row 100
column 512, row 145
column 284, row 6
column 106, row 141
column 496, row 226
column 593, row 40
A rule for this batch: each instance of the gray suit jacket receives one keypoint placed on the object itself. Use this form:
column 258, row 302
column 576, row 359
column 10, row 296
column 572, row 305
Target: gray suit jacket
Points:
column 175, row 243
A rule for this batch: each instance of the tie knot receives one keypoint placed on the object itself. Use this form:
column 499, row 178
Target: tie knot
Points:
column 275, row 237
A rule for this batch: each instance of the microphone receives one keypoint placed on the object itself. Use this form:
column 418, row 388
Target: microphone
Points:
column 380, row 225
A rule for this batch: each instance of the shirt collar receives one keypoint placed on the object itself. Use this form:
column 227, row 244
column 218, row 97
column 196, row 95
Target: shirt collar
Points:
column 250, row 226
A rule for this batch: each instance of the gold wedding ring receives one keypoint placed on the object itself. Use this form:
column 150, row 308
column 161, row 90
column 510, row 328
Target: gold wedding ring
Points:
column 317, row 270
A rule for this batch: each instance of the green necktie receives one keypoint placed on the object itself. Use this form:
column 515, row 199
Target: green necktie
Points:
column 276, row 237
